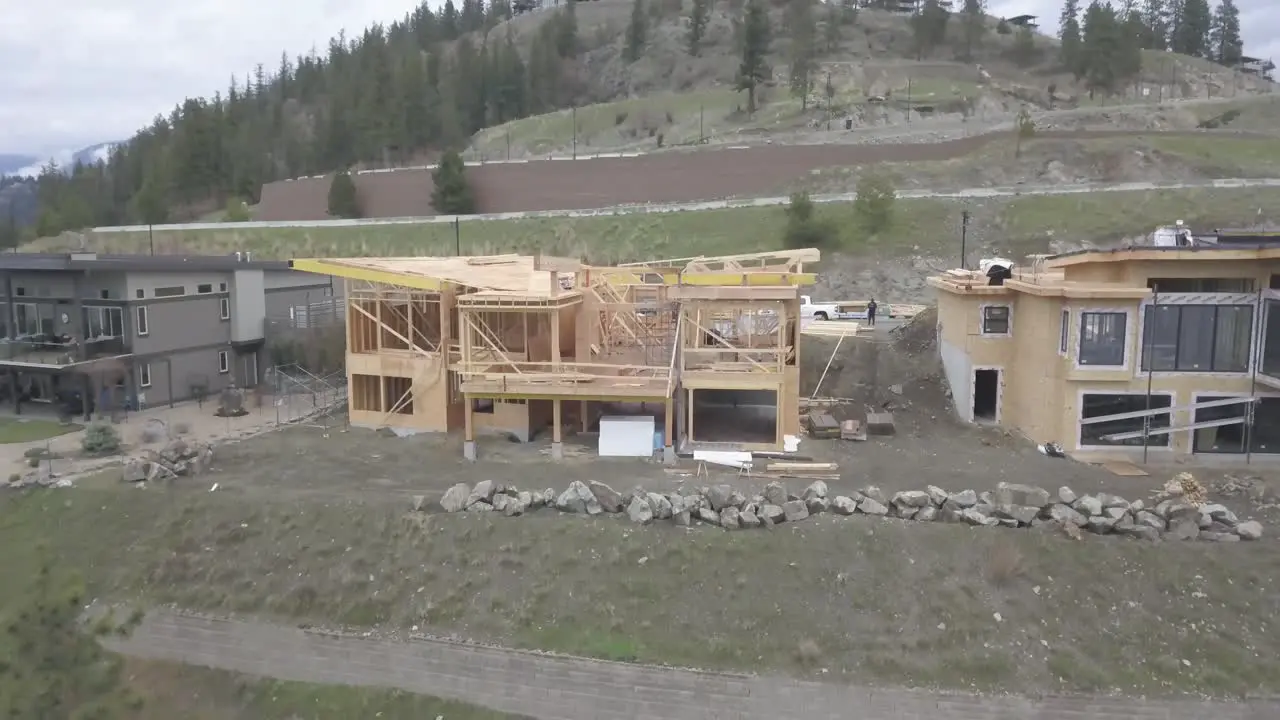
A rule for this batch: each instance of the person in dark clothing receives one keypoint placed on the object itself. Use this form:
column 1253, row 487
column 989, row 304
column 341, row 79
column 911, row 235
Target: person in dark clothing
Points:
column 871, row 313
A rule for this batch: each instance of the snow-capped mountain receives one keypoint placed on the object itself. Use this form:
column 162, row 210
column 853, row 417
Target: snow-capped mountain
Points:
column 65, row 160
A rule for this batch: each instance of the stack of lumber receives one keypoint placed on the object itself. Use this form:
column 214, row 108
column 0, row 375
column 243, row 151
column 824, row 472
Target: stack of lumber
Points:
column 833, row 328
column 803, row 470
column 905, row 310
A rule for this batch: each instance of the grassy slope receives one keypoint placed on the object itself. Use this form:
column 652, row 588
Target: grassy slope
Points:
column 883, row 601
column 1023, row 224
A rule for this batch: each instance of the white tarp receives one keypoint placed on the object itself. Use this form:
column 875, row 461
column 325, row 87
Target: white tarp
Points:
column 626, row 436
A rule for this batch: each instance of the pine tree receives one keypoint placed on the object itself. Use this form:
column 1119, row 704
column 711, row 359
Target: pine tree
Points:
column 1069, row 35
column 151, row 203
column 451, row 194
column 800, row 21
column 567, row 30
column 698, row 17
column 754, row 67
column 831, row 26
column 1155, row 21
column 1191, row 26
column 1225, row 46
column 929, row 27
column 637, row 32
column 344, row 200
column 974, row 23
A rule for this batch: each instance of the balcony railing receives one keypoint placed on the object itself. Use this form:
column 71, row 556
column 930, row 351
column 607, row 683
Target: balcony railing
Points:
column 58, row 351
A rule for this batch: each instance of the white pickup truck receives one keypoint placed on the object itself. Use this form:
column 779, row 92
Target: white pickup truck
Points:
column 850, row 310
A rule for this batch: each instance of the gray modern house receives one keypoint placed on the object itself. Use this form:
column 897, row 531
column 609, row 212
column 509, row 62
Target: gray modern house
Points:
column 140, row 331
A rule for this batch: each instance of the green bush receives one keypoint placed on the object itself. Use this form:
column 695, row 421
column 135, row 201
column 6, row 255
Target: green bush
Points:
column 804, row 228
column 874, row 203
column 100, row 438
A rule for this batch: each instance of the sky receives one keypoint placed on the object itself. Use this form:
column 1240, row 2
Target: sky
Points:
column 75, row 73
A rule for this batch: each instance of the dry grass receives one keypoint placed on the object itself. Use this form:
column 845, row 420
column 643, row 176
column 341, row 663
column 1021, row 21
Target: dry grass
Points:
column 1004, row 563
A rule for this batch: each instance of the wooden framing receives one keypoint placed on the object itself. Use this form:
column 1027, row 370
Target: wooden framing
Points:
column 502, row 342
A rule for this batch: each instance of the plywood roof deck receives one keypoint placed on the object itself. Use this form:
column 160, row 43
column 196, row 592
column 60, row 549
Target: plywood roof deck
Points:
column 1041, row 281
column 509, row 276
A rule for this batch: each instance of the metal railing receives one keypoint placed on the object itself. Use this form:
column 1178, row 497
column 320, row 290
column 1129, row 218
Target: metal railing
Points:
column 59, row 352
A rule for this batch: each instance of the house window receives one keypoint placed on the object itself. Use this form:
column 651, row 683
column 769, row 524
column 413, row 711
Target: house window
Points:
column 144, row 375
column 20, row 291
column 224, row 308
column 995, row 320
column 104, row 294
column 1201, row 285
column 1197, row 338
column 204, row 289
column 1064, row 332
column 224, row 362
column 103, row 322
column 480, row 405
column 142, row 322
column 1130, row 419
column 171, row 291
column 222, row 287
column 1262, row 435
column 1102, row 338
column 139, row 293
column 27, row 321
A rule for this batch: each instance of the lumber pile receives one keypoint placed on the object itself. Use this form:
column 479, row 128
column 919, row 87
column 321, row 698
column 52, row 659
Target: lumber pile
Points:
column 803, row 470
column 833, row 328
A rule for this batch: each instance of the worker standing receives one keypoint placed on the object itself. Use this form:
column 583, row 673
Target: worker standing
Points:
column 871, row 313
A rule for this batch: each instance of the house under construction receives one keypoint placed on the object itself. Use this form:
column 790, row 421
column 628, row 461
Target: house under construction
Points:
column 707, row 347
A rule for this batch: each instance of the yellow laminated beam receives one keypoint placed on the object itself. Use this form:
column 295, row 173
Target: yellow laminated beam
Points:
column 385, row 277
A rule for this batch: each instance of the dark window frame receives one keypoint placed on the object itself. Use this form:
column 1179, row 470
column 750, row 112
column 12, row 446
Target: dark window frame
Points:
column 1093, row 325
column 1090, row 434
column 1007, row 320
column 1064, row 334
column 1202, row 285
column 1189, row 349
column 169, row 291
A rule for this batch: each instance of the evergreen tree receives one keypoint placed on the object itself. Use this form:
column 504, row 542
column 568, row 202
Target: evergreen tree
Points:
column 9, row 233
column 152, row 201
column 929, row 27
column 973, row 20
column 754, row 67
column 344, row 201
column 52, row 666
column 451, row 194
column 637, row 32
column 567, row 30
column 831, row 26
column 801, row 23
column 1069, row 35
column 1155, row 21
column 698, row 17
column 1191, row 25
column 1225, row 46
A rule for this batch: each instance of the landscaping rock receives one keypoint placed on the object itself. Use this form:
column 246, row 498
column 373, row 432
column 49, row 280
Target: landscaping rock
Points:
column 794, row 510
column 1022, row 514
column 576, row 498
column 482, row 492
column 844, row 505
column 1066, row 495
column 973, row 516
column 871, row 506
column 480, row 506
column 911, row 499
column 1184, row 528
column 1251, row 530
column 1017, row 494
column 610, row 500
column 926, row 514
column 730, row 518
column 963, row 499
column 1151, row 520
column 709, row 516
column 775, row 494
column 1112, row 501
column 135, row 470
column 639, row 510
column 748, row 517
column 720, row 496
column 875, row 493
column 904, row 512
column 1088, row 505
column 455, row 498
column 500, row 502
column 1066, row 515
column 1115, row 513
column 772, row 513
column 1101, row 524
column 816, row 489
column 1219, row 513
column 662, row 509
column 816, row 505
column 937, row 495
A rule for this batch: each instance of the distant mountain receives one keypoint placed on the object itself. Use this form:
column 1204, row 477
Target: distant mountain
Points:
column 18, row 196
column 31, row 166
column 11, row 164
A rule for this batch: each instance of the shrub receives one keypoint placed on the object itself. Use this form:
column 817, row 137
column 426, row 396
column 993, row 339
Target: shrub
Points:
column 344, row 202
column 874, row 203
column 804, row 228
column 100, row 438
column 237, row 211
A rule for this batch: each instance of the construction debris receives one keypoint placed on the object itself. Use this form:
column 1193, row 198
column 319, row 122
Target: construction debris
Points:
column 834, row 328
column 880, row 423
column 177, row 459
column 852, row 430
column 823, row 425
column 1183, row 486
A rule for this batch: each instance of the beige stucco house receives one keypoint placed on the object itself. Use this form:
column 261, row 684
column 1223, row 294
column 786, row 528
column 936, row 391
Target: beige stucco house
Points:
column 1174, row 351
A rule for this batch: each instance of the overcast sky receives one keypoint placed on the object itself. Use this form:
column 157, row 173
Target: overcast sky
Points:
column 78, row 72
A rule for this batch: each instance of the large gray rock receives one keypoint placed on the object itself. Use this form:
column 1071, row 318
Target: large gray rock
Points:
column 662, row 508
column 748, row 517
column 1066, row 515
column 1220, row 513
column 926, row 514
column 1112, row 501
column 775, row 494
column 1022, row 514
column 1101, row 524
column 720, row 496
column 639, row 510
column 1151, row 520
column 963, row 499
column 843, row 505
column 135, row 470
column 500, row 502
column 875, row 493
column 1066, row 495
column 1115, row 513
column 937, row 495
column 1251, row 530
column 480, row 507
column 816, row 489
column 1088, row 505
column 455, row 498
column 1184, row 528
column 730, row 518
column 610, row 500
column 973, row 516
column 904, row 512
column 709, row 516
column 911, row 499
column 577, row 498
column 482, row 492
column 871, row 506
column 795, row 510
column 816, row 505
column 1018, row 494
column 1130, row 528
column 772, row 513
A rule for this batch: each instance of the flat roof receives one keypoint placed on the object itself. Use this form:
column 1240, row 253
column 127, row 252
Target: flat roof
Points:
column 1234, row 251
column 140, row 263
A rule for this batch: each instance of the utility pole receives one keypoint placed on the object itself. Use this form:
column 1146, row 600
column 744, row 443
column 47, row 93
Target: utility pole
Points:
column 964, row 235
column 151, row 239
column 908, row 99
column 574, row 115
column 457, row 236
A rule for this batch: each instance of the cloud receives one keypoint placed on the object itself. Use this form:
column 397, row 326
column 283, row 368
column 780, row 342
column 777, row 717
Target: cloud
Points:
column 1259, row 20
column 77, row 72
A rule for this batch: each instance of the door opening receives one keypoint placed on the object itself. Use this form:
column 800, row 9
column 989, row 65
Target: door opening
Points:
column 986, row 395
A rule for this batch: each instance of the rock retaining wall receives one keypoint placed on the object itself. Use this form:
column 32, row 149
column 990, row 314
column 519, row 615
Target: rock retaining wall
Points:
column 1177, row 512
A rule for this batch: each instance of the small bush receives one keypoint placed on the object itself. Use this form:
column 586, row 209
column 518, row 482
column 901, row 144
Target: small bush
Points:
column 874, row 203
column 804, row 228
column 100, row 438
column 14, row 478
column 33, row 461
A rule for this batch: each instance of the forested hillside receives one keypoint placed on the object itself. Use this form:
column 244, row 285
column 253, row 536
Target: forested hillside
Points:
column 407, row 90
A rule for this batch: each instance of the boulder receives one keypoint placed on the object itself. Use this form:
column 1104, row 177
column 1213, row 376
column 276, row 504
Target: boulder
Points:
column 730, row 518
column 1251, row 530
column 816, row 505
column 911, row 499
column 1022, row 514
column 926, row 514
column 937, row 495
column 577, row 498
column 1088, row 505
column 816, row 489
column 500, row 502
column 662, row 509
column 775, row 494
column 1219, row 513
column 749, row 519
column 480, row 506
column 904, row 512
column 963, row 499
column 1184, row 528
column 1066, row 495
column 135, row 470
column 709, row 516
column 843, row 505
column 1150, row 519
column 1066, row 515
column 871, row 506
column 720, row 496
column 973, row 516
column 482, row 492
column 875, row 493
column 1018, row 494
column 1112, row 501
column 1130, row 528
column 772, row 514
column 794, row 510
column 455, row 498
column 639, row 510
column 610, row 500
column 1115, row 513
column 1101, row 524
